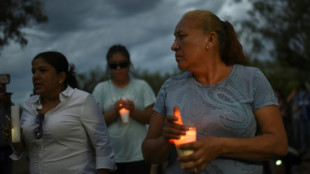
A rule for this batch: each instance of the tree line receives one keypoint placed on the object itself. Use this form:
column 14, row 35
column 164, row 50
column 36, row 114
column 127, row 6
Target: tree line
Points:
column 277, row 29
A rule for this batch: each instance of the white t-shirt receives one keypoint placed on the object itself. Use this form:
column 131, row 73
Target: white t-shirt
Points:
column 126, row 138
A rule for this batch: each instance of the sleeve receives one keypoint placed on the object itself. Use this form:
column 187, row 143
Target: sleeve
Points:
column 148, row 95
column 263, row 92
column 160, row 100
column 97, row 95
column 95, row 126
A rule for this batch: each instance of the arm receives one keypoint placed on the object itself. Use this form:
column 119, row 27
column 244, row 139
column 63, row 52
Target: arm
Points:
column 271, row 143
column 97, row 132
column 110, row 116
column 156, row 146
column 291, row 95
column 143, row 116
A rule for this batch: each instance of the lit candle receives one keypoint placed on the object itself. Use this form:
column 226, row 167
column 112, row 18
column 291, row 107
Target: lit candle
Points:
column 189, row 137
column 177, row 113
column 15, row 131
column 124, row 115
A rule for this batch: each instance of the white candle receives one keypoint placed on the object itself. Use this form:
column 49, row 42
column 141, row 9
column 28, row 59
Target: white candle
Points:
column 15, row 117
column 184, row 139
column 124, row 115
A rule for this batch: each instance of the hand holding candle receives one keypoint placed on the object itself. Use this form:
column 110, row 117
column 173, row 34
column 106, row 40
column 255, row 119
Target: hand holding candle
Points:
column 189, row 137
column 124, row 115
column 15, row 117
column 177, row 113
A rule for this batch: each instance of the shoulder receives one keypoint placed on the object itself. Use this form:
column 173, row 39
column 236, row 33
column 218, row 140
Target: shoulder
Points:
column 102, row 84
column 32, row 99
column 248, row 69
column 247, row 73
column 100, row 87
column 79, row 94
column 181, row 78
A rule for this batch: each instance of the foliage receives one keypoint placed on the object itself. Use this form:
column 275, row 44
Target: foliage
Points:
column 89, row 80
column 284, row 23
column 16, row 14
column 282, row 78
column 155, row 80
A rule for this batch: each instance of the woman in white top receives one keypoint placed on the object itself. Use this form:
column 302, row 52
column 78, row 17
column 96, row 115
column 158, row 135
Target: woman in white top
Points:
column 125, row 92
column 63, row 128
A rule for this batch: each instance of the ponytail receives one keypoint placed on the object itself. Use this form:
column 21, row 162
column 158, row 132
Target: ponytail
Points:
column 71, row 77
column 230, row 48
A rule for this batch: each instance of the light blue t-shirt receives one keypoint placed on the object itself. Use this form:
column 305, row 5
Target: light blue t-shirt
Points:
column 222, row 110
column 126, row 139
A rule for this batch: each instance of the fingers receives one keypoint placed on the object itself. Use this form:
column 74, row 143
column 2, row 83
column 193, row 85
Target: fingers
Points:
column 171, row 130
column 128, row 104
column 6, row 134
column 192, row 161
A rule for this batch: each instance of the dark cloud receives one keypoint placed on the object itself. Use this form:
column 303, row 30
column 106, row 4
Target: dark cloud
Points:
column 133, row 7
column 84, row 30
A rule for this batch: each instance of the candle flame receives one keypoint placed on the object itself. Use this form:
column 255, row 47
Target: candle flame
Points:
column 123, row 110
column 177, row 113
column 190, row 136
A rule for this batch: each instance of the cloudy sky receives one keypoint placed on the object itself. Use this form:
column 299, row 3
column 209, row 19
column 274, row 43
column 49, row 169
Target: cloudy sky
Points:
column 84, row 30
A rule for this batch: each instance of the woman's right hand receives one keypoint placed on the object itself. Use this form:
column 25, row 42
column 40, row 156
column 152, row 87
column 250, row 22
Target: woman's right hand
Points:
column 6, row 134
column 172, row 130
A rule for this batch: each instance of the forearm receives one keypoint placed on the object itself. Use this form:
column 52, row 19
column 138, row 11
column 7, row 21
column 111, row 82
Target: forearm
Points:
column 110, row 117
column 261, row 147
column 156, row 150
column 142, row 116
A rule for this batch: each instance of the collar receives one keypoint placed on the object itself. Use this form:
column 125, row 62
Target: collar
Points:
column 36, row 102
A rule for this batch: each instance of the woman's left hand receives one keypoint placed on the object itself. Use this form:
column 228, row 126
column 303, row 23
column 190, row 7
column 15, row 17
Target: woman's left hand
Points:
column 205, row 150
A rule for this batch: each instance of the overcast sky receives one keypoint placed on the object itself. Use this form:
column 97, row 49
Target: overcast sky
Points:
column 84, row 30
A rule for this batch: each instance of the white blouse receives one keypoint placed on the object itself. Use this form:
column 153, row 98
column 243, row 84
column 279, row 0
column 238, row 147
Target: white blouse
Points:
column 75, row 138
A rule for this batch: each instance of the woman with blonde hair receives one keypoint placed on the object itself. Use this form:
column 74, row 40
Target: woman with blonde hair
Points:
column 232, row 106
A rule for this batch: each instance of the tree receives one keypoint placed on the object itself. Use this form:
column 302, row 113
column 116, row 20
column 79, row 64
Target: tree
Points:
column 89, row 80
column 282, row 78
column 16, row 14
column 286, row 24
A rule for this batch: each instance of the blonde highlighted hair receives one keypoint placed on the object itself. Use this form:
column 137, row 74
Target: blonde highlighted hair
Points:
column 230, row 48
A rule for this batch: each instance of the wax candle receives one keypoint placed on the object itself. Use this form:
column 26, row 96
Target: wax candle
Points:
column 15, row 117
column 124, row 115
column 189, row 137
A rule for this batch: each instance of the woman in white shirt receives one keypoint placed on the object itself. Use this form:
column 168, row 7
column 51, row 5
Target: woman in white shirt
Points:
column 63, row 128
